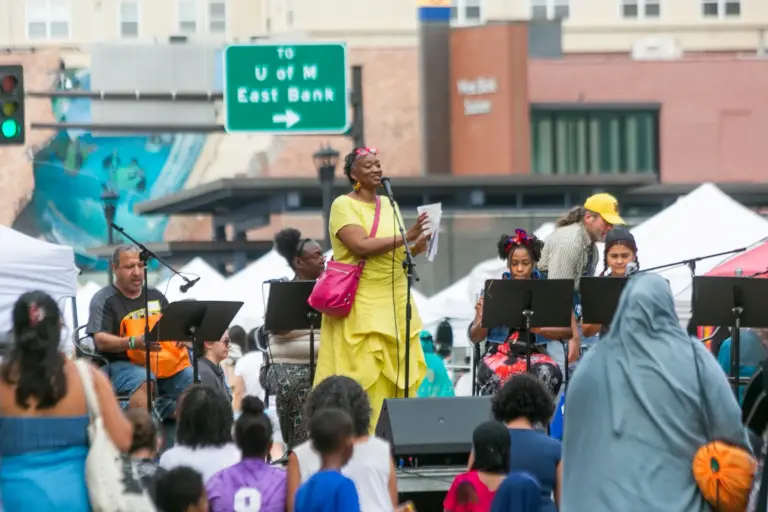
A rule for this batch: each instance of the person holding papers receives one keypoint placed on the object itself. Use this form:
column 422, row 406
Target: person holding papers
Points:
column 368, row 345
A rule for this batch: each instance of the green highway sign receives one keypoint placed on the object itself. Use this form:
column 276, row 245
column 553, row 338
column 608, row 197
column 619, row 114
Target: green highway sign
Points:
column 298, row 88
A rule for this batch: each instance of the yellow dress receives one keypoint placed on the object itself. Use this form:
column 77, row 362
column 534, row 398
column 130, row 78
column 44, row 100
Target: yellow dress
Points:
column 369, row 344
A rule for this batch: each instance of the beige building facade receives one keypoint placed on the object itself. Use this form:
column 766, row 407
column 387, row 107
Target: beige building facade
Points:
column 647, row 28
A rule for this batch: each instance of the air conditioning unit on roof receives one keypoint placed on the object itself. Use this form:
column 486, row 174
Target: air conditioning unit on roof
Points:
column 656, row 48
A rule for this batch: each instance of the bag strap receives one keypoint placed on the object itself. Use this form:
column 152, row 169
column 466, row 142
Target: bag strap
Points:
column 705, row 416
column 376, row 217
column 92, row 401
column 374, row 227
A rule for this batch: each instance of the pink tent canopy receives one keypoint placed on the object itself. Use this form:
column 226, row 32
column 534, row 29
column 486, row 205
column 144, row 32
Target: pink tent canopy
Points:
column 751, row 262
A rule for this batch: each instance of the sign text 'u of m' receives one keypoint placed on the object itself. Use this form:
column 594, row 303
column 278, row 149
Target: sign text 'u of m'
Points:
column 286, row 88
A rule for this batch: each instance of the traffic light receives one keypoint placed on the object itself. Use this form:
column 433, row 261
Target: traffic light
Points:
column 12, row 127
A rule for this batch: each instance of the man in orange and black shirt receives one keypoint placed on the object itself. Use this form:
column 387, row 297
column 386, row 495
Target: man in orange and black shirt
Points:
column 116, row 323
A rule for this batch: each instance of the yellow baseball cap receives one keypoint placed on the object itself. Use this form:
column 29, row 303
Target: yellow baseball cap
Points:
column 607, row 206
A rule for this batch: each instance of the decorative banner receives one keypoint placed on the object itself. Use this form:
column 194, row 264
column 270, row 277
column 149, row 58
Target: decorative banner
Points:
column 434, row 10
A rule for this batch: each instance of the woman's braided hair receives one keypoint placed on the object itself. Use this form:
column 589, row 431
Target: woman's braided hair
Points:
column 349, row 162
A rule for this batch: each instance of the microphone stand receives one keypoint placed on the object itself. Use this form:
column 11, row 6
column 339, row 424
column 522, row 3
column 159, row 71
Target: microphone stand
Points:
column 691, row 263
column 410, row 274
column 145, row 255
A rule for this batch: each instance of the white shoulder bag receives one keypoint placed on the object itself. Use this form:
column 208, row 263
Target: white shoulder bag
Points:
column 113, row 484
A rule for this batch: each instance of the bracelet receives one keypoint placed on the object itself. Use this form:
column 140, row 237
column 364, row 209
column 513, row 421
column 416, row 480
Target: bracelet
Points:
column 132, row 343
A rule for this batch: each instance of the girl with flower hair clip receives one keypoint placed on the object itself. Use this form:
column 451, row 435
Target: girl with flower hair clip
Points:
column 505, row 353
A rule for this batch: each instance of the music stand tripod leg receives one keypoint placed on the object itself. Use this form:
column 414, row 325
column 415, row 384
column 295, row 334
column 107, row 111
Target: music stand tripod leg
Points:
column 475, row 362
column 566, row 347
column 312, row 316
column 528, row 314
column 736, row 349
column 195, row 367
column 144, row 257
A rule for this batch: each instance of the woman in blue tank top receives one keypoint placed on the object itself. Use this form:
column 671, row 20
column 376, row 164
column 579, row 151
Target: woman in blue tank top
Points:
column 43, row 415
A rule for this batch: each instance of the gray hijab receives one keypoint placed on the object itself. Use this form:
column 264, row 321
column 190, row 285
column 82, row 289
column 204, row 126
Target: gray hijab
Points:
column 635, row 410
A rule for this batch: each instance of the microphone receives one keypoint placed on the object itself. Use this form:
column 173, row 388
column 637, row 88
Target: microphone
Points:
column 276, row 280
column 189, row 284
column 388, row 189
column 631, row 268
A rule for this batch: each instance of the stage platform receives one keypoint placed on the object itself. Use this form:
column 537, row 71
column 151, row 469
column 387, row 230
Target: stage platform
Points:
column 426, row 486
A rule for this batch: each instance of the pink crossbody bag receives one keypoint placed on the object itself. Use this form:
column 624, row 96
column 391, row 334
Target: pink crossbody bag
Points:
column 335, row 289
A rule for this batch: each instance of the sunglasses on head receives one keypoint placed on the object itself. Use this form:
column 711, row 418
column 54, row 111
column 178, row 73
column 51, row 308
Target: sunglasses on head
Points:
column 366, row 151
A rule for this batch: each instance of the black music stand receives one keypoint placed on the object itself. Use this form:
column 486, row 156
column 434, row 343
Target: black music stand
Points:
column 195, row 321
column 524, row 304
column 599, row 298
column 736, row 301
column 287, row 310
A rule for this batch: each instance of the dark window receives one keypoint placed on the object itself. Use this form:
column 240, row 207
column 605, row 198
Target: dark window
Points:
column 562, row 12
column 539, row 12
column 594, row 141
column 710, row 8
column 652, row 10
column 629, row 10
column 472, row 12
column 733, row 8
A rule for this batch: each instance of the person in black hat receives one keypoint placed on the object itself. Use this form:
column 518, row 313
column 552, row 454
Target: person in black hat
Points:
column 620, row 254
column 619, row 260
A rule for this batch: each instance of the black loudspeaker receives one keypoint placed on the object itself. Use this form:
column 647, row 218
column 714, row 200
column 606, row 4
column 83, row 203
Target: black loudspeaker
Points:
column 432, row 431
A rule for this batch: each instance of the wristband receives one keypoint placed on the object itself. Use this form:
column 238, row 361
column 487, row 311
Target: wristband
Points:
column 132, row 343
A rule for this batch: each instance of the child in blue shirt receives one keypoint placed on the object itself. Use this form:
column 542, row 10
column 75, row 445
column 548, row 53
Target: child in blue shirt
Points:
column 331, row 432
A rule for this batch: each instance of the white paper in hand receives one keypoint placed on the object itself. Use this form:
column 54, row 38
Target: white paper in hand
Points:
column 434, row 212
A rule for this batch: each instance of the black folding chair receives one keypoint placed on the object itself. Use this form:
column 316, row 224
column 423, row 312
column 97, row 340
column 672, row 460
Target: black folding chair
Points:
column 85, row 350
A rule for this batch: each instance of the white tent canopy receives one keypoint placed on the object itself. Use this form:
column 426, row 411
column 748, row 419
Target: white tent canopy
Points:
column 28, row 264
column 207, row 288
column 706, row 221
column 84, row 295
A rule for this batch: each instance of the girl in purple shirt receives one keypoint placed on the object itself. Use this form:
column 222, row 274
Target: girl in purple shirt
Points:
column 251, row 484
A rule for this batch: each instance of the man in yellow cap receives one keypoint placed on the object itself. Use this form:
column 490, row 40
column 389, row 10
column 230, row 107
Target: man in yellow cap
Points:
column 570, row 251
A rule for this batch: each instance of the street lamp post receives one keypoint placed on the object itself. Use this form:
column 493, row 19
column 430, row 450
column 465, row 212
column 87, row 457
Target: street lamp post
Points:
column 326, row 159
column 109, row 199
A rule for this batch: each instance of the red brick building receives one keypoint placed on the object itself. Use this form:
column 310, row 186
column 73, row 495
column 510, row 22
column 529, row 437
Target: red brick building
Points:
column 692, row 120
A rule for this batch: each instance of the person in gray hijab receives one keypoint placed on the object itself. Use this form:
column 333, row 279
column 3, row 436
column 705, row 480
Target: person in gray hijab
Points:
column 636, row 411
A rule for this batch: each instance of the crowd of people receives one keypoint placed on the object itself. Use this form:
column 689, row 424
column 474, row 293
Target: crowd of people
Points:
column 652, row 421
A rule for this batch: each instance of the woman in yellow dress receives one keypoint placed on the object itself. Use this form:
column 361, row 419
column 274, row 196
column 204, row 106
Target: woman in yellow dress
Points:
column 369, row 344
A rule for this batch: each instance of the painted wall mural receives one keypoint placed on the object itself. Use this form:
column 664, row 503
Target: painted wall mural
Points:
column 73, row 169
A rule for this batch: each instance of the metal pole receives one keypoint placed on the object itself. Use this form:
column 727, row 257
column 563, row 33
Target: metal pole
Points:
column 326, row 184
column 357, row 132
column 126, row 128
column 110, row 242
column 194, row 97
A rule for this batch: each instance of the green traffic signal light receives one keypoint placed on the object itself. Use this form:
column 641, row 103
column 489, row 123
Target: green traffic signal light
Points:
column 9, row 128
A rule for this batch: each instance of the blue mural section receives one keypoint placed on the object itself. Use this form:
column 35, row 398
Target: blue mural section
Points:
column 75, row 167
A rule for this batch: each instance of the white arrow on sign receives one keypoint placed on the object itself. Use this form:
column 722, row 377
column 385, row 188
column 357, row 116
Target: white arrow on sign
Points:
column 290, row 118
